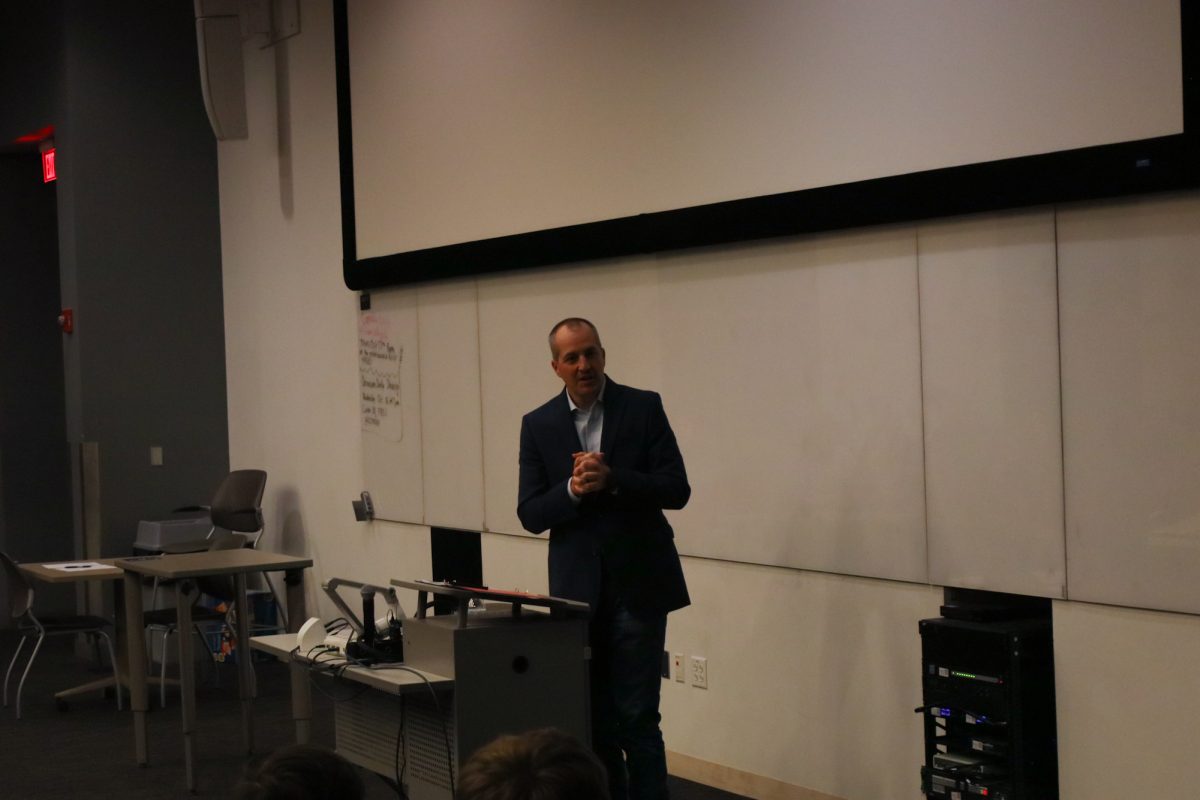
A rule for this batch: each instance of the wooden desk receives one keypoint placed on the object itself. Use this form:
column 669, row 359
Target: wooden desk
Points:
column 392, row 681
column 181, row 569
column 45, row 572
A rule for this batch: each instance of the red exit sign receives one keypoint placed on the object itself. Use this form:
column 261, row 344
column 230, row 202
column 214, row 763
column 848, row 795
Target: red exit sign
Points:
column 48, row 173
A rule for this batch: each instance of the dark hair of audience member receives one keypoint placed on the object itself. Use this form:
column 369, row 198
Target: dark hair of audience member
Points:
column 301, row 772
column 545, row 764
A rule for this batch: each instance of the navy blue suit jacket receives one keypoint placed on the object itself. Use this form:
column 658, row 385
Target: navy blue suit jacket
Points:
column 622, row 533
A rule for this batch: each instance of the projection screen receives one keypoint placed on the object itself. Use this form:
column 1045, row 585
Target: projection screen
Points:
column 482, row 135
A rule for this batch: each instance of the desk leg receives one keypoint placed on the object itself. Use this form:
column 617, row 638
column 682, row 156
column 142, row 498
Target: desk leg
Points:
column 301, row 700
column 245, row 668
column 187, row 676
column 297, row 613
column 135, row 641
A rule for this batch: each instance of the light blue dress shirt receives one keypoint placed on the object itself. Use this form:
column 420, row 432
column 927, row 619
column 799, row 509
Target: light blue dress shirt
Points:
column 589, row 424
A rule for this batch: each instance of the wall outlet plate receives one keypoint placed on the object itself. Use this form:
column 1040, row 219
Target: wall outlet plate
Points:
column 699, row 672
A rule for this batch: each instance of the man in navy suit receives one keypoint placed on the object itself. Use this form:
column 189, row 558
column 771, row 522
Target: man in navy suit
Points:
column 599, row 463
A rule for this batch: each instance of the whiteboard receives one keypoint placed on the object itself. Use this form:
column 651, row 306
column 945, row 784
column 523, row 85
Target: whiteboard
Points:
column 451, row 415
column 881, row 403
column 791, row 373
column 728, row 336
column 390, row 405
column 516, row 313
column 1130, row 290
column 993, row 436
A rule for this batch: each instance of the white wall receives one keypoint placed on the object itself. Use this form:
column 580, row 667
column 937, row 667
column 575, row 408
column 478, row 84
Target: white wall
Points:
column 291, row 347
column 813, row 677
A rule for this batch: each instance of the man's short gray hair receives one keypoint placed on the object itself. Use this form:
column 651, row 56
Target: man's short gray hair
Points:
column 572, row 323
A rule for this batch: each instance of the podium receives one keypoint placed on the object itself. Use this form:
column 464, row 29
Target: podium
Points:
column 506, row 662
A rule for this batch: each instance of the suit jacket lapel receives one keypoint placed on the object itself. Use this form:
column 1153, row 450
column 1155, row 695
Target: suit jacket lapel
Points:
column 565, row 423
column 614, row 408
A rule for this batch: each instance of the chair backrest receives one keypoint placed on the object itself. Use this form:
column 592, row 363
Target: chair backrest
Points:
column 237, row 505
column 20, row 592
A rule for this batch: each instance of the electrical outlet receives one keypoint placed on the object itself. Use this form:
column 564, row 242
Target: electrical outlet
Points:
column 678, row 659
column 700, row 672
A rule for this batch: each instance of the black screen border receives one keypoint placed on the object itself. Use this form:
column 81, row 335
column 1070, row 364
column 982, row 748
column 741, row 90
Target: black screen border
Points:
column 1167, row 163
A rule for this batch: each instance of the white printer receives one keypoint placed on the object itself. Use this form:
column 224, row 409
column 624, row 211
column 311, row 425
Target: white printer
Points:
column 153, row 535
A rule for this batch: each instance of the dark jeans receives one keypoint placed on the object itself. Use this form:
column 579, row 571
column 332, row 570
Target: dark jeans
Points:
column 626, row 659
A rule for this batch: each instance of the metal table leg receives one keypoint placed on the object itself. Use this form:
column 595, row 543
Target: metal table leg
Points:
column 136, row 648
column 187, row 677
column 245, row 668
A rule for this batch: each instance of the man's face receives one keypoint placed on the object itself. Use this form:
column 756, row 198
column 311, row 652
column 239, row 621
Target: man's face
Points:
column 579, row 363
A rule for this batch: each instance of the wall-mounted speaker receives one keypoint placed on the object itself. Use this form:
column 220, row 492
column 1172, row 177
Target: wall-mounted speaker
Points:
column 222, row 76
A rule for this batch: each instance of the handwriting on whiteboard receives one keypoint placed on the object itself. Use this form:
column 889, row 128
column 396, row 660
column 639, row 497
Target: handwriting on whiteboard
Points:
column 379, row 360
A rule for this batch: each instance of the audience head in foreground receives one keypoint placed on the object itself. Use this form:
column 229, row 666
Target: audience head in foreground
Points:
column 544, row 764
column 301, row 772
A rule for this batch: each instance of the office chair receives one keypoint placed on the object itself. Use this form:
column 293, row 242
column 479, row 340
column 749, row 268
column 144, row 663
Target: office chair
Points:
column 166, row 620
column 236, row 507
column 20, row 601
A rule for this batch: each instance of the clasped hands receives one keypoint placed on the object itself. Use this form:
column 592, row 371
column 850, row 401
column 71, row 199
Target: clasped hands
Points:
column 590, row 474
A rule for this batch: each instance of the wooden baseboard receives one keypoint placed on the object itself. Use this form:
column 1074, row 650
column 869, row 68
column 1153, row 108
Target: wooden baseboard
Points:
column 733, row 780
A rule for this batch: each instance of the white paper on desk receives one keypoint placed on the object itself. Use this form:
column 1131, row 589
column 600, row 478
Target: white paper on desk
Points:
column 77, row 566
